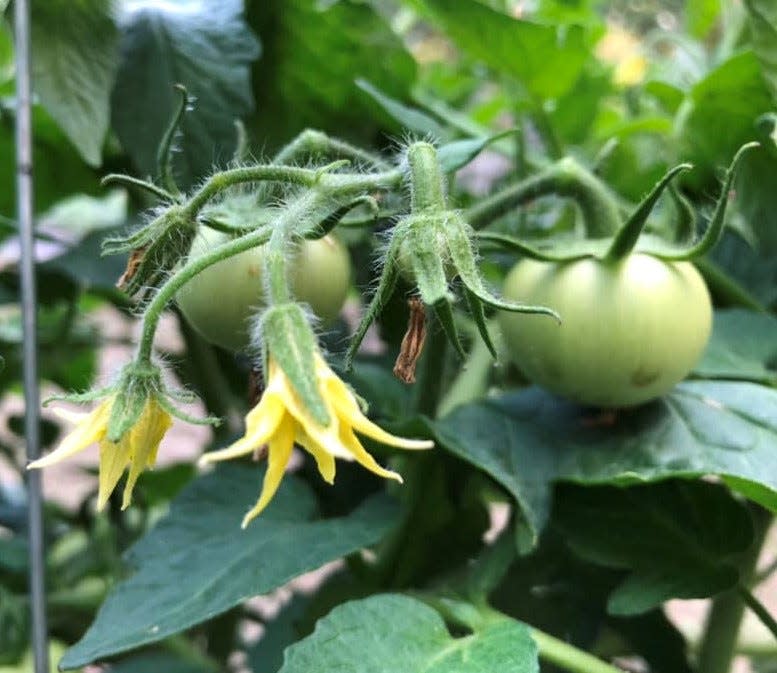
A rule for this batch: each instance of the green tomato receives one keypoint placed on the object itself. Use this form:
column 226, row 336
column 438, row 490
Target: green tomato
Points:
column 630, row 330
column 221, row 301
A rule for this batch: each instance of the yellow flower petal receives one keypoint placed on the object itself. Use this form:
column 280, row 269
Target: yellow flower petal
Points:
column 324, row 459
column 114, row 457
column 348, row 411
column 145, row 437
column 90, row 428
column 325, row 437
column 363, row 458
column 278, row 456
column 261, row 422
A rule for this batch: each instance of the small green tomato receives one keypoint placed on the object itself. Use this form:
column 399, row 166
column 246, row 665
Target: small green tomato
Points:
column 630, row 329
column 220, row 301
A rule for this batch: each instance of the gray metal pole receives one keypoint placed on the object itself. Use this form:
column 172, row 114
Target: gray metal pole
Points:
column 24, row 211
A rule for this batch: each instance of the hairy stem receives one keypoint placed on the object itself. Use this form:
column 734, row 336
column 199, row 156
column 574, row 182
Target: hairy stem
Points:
column 166, row 293
column 564, row 178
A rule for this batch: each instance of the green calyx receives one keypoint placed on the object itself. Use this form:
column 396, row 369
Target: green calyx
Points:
column 137, row 384
column 157, row 248
column 630, row 236
column 435, row 244
column 289, row 341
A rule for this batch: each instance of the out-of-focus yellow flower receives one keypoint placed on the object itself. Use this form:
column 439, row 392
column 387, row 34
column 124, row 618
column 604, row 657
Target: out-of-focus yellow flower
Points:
column 279, row 420
column 623, row 50
column 137, row 448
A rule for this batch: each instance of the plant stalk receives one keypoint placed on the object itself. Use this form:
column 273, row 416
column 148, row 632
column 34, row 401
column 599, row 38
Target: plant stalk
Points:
column 721, row 631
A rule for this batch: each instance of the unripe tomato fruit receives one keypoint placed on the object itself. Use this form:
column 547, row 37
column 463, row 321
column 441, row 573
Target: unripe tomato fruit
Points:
column 220, row 301
column 630, row 329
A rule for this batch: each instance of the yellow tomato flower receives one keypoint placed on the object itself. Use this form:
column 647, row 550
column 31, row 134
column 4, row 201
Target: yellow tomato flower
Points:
column 279, row 420
column 623, row 50
column 137, row 448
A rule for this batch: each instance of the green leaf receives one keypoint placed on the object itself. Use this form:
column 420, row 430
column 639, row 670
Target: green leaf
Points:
column 677, row 539
column 266, row 656
column 719, row 115
column 75, row 55
column 743, row 346
column 410, row 118
column 546, row 59
column 700, row 16
column 6, row 50
column 207, row 47
column 756, row 198
column 197, row 562
column 762, row 16
column 457, row 154
column 390, row 633
column 701, row 428
column 313, row 56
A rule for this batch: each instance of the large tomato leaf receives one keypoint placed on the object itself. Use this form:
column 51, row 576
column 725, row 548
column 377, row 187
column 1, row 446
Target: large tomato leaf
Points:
column 743, row 347
column 528, row 439
column 545, row 59
column 389, row 633
column 197, row 562
column 205, row 46
column 719, row 114
column 313, row 54
column 75, row 55
column 763, row 26
column 678, row 539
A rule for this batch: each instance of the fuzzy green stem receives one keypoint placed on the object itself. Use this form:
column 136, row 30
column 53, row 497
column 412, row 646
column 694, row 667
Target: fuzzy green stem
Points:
column 721, row 630
column 426, row 178
column 164, row 158
column 565, row 178
column 567, row 656
column 166, row 293
column 336, row 184
column 281, row 240
column 319, row 145
column 129, row 181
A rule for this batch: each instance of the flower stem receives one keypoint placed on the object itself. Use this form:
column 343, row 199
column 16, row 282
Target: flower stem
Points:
column 721, row 630
column 567, row 656
column 565, row 178
column 336, row 184
column 180, row 278
column 426, row 178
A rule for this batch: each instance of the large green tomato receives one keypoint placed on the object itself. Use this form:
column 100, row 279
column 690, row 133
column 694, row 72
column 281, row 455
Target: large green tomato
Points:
column 630, row 330
column 220, row 301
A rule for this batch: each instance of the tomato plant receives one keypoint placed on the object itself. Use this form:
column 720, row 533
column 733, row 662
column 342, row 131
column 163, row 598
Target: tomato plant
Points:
column 631, row 330
column 221, row 301
column 530, row 454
